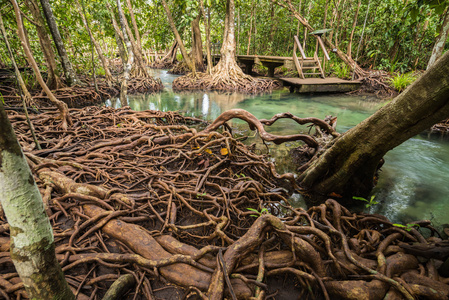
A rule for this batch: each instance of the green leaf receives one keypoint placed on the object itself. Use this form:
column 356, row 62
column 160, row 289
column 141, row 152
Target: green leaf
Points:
column 360, row 198
column 252, row 209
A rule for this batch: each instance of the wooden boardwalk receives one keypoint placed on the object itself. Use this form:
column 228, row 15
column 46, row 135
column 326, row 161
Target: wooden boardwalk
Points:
column 320, row 85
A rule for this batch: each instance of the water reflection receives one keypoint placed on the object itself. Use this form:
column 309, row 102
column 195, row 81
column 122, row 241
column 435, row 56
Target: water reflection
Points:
column 414, row 180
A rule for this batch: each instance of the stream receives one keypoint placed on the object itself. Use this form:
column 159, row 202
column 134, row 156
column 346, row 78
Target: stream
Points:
column 413, row 183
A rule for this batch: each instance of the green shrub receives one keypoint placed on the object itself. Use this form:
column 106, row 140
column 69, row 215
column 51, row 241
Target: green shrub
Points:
column 341, row 70
column 401, row 81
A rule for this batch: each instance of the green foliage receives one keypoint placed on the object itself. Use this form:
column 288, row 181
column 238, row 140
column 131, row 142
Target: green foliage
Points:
column 406, row 227
column 258, row 213
column 401, row 81
column 341, row 70
column 369, row 203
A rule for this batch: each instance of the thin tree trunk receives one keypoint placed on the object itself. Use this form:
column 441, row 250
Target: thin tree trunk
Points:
column 133, row 21
column 53, row 81
column 59, row 104
column 178, row 38
column 438, row 48
column 206, row 25
column 349, row 49
column 23, row 91
column 129, row 64
column 70, row 75
column 26, row 93
column 118, row 36
column 250, row 28
column 141, row 69
column 103, row 60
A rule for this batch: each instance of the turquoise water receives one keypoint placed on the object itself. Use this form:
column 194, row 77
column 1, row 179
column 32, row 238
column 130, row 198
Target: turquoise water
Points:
column 414, row 181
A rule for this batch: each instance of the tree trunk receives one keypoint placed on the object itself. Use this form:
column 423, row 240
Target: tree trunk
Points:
column 27, row 96
column 178, row 38
column 348, row 60
column 348, row 166
column 136, row 29
column 59, row 104
column 103, row 60
column 197, row 44
column 141, row 68
column 349, row 49
column 250, row 28
column 129, row 63
column 206, row 25
column 70, row 75
column 53, row 81
column 32, row 241
column 118, row 36
column 438, row 48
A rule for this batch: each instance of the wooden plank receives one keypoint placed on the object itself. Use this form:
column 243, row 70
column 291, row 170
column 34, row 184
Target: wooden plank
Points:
column 303, row 55
column 317, row 85
column 319, row 65
column 297, row 64
column 323, row 47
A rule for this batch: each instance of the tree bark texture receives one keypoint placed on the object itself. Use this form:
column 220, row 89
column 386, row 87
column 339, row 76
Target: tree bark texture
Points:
column 53, row 81
column 440, row 40
column 59, row 104
column 347, row 168
column 32, row 246
column 70, row 75
column 349, row 49
column 197, row 44
column 103, row 59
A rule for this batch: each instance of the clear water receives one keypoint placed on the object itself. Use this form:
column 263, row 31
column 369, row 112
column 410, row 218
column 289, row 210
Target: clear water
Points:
column 414, row 182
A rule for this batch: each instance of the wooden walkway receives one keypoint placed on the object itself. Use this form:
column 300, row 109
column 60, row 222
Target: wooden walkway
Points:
column 320, row 85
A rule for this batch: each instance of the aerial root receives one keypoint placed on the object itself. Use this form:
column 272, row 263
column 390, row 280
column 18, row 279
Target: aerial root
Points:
column 146, row 194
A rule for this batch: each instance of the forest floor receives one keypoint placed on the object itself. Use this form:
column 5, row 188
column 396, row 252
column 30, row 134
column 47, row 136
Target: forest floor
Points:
column 189, row 210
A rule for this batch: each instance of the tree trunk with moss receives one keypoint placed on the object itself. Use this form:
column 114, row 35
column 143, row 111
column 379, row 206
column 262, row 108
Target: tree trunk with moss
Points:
column 348, row 166
column 32, row 241
column 129, row 63
column 120, row 40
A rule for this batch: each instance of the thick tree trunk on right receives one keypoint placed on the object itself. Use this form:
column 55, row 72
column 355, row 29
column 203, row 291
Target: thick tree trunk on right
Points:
column 70, row 75
column 32, row 241
column 440, row 41
column 348, row 166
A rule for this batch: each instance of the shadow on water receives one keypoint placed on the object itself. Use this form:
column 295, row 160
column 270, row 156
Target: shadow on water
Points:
column 414, row 181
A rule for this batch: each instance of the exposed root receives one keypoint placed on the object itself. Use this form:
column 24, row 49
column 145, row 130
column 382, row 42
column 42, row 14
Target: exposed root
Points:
column 146, row 194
